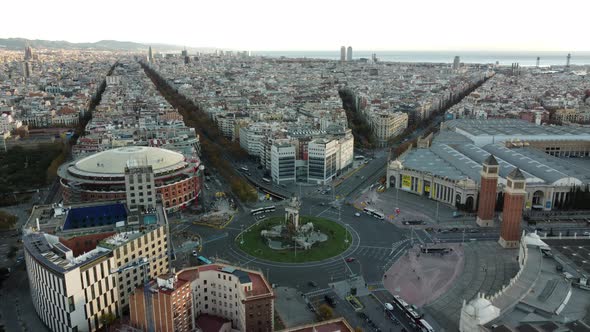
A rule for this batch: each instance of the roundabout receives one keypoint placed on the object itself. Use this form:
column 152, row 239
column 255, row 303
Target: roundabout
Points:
column 339, row 240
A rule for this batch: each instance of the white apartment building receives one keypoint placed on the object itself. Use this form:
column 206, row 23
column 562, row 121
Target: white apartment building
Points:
column 322, row 160
column 386, row 125
column 282, row 161
column 69, row 293
column 76, row 275
column 8, row 123
column 242, row 297
column 151, row 244
column 252, row 139
column 140, row 188
column 345, row 152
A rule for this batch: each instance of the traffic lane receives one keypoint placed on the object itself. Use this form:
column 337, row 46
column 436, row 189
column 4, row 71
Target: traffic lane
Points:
column 364, row 175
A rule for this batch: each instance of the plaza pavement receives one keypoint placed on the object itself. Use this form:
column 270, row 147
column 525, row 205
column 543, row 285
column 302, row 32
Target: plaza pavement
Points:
column 487, row 267
column 421, row 278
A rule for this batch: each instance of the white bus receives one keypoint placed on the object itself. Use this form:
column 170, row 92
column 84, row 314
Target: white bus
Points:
column 262, row 210
column 244, row 169
column 374, row 213
column 425, row 326
column 266, row 180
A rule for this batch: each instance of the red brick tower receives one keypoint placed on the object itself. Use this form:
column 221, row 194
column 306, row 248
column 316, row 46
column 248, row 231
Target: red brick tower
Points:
column 487, row 192
column 513, row 205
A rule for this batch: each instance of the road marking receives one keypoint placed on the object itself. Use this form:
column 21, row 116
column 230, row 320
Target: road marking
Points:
column 428, row 236
column 373, row 247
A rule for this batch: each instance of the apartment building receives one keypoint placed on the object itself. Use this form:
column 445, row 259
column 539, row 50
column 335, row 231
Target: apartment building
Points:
column 322, row 160
column 80, row 260
column 242, row 299
column 69, row 293
column 282, row 160
column 386, row 125
column 171, row 305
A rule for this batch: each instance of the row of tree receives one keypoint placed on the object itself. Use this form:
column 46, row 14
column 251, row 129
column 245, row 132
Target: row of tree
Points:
column 361, row 130
column 216, row 149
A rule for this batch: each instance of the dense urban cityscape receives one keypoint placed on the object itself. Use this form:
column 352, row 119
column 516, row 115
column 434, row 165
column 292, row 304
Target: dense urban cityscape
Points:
column 220, row 190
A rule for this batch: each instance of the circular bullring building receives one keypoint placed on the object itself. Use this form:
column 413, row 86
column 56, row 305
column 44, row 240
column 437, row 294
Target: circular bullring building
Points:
column 101, row 176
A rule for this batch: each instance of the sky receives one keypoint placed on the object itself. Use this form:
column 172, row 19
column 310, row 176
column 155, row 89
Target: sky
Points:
column 493, row 25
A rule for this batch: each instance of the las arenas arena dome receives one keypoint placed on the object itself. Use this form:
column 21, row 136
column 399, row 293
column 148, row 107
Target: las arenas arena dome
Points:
column 101, row 176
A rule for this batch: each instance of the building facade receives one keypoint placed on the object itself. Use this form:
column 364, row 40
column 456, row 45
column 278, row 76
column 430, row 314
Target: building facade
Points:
column 75, row 257
column 323, row 161
column 488, row 192
column 241, row 297
column 512, row 211
column 386, row 125
column 282, row 160
column 171, row 305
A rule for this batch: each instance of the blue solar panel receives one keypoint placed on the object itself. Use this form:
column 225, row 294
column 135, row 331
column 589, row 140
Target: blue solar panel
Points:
column 95, row 216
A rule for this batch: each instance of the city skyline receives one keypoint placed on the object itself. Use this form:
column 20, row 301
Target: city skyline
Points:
column 263, row 26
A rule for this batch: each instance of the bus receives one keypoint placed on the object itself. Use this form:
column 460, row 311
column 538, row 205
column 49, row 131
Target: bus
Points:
column 203, row 260
column 266, row 180
column 262, row 210
column 374, row 213
column 425, row 326
column 244, row 169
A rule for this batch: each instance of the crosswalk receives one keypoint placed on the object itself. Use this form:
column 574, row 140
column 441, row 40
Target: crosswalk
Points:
column 399, row 250
column 380, row 253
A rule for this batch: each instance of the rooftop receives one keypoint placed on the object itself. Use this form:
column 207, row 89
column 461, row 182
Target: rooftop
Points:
column 114, row 161
column 210, row 323
column 460, row 161
column 513, row 127
column 332, row 325
column 260, row 286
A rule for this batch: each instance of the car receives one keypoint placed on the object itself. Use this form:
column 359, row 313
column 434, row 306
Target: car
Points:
column 195, row 253
column 350, row 259
column 330, row 300
column 357, row 214
column 388, row 306
column 587, row 233
column 323, row 204
column 312, row 283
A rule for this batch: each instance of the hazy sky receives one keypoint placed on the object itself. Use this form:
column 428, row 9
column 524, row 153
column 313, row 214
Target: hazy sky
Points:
column 309, row 24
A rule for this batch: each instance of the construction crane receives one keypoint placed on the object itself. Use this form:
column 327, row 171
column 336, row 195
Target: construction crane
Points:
column 143, row 263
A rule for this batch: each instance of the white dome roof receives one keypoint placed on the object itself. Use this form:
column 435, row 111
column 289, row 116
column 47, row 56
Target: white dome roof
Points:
column 535, row 240
column 114, row 161
column 482, row 308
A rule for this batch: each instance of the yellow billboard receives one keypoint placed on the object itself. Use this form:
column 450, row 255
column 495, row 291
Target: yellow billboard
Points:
column 406, row 181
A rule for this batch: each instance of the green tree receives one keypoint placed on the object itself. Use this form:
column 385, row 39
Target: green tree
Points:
column 325, row 312
column 107, row 319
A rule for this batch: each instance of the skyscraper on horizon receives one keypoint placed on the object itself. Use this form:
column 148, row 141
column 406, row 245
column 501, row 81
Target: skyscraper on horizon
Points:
column 342, row 53
column 456, row 62
column 28, row 53
column 349, row 53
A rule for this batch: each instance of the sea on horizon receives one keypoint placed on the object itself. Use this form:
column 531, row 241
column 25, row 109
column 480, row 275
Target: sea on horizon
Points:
column 504, row 58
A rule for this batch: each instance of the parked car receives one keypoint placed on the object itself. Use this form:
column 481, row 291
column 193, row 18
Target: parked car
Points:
column 330, row 300
column 388, row 306
column 312, row 283
column 357, row 214
column 350, row 259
